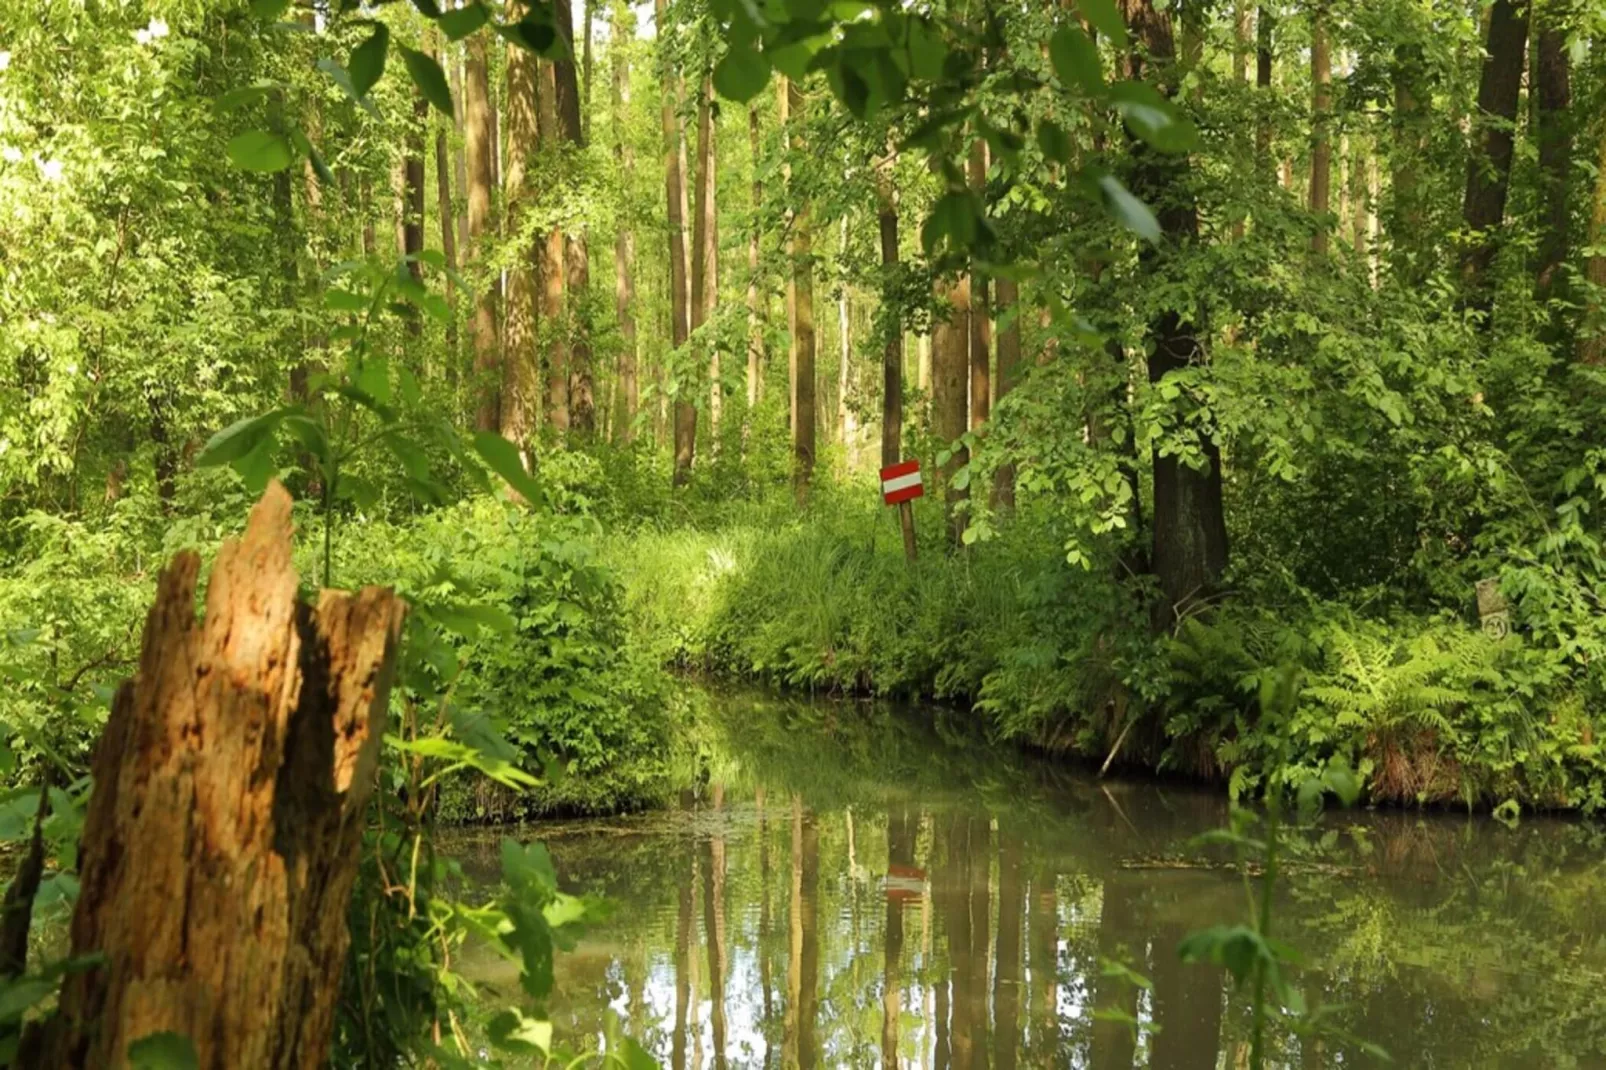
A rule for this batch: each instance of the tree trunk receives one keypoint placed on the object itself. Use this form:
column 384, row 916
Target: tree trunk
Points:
column 705, row 245
column 801, row 294
column 586, row 14
column 950, row 348
column 1555, row 148
column 981, row 327
column 443, row 201
column 521, row 359
column 755, row 324
column 624, row 249
column 1190, row 531
column 1008, row 297
column 551, row 268
column 221, row 840
column 1592, row 333
column 679, row 282
column 1489, row 165
column 1321, row 140
column 1265, row 28
column 577, row 258
column 714, row 932
column 892, row 353
column 479, row 151
column 847, row 422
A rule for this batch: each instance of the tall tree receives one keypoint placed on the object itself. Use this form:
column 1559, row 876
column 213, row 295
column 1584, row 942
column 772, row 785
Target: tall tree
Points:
column 1489, row 164
column 755, row 319
column 1321, row 138
column 624, row 249
column 892, row 351
column 447, row 214
column 705, row 244
column 801, row 299
column 480, row 147
column 1190, row 530
column 577, row 257
column 950, row 369
column 1553, row 83
column 679, row 266
column 521, row 361
column 1006, row 295
column 1592, row 334
column 1265, row 29
column 551, row 267
column 981, row 325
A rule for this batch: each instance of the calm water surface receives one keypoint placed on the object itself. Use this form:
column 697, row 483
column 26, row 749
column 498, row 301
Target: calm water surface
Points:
column 851, row 887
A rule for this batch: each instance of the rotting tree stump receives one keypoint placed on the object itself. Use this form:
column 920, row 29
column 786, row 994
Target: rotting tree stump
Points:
column 222, row 836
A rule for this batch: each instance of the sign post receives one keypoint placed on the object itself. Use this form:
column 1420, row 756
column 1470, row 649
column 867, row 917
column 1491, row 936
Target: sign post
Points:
column 900, row 485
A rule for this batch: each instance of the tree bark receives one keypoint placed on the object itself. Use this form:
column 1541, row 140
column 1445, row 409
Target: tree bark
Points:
column 1554, row 85
column 1190, row 530
column 521, row 359
column 479, row 150
column 679, row 266
column 1592, row 333
column 1489, row 165
column 950, row 349
column 1321, row 141
column 892, row 352
column 981, row 326
column 577, row 258
column 1265, row 29
column 755, row 323
column 624, row 249
column 802, row 304
column 443, row 201
column 551, row 268
column 705, row 245
column 221, row 840
column 1007, row 296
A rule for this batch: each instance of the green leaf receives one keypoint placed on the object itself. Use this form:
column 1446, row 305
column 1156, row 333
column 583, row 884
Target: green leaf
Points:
column 163, row 1051
column 245, row 94
column 429, row 78
column 1103, row 17
column 259, row 150
column 742, row 74
column 534, row 33
column 239, row 438
column 1150, row 116
column 1128, row 210
column 515, row 1032
column 428, row 8
column 927, row 50
column 953, row 217
column 256, row 467
column 310, row 434
column 1076, row 60
column 19, row 995
column 373, row 378
column 368, row 60
column 502, row 457
column 271, row 10
column 342, row 78
column 463, row 21
column 344, row 301
column 1054, row 142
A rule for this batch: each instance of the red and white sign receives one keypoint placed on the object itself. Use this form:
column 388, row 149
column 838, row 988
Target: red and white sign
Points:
column 901, row 482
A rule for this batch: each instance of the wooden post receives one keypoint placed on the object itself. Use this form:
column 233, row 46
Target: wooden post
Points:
column 906, row 520
column 221, row 840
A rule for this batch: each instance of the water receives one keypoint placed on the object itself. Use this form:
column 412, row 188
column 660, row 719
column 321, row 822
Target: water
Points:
column 853, row 888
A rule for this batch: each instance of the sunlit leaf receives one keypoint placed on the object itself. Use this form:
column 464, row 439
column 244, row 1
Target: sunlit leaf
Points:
column 1076, row 59
column 367, row 62
column 742, row 74
column 503, row 458
column 259, row 150
column 1104, row 17
column 429, row 78
column 460, row 22
column 1131, row 212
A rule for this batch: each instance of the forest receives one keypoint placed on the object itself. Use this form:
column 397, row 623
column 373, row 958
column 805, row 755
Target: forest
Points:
column 514, row 381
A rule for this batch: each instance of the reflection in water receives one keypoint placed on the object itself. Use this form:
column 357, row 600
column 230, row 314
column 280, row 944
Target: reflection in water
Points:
column 860, row 893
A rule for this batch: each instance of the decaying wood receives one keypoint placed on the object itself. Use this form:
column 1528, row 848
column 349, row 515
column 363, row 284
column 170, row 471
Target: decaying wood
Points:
column 221, row 840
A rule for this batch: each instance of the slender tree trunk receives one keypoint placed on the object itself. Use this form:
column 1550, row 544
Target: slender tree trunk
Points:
column 1554, row 85
column 714, row 928
column 624, row 252
column 705, row 246
column 521, row 359
column 755, row 323
column 444, row 209
column 1265, row 29
column 1008, row 298
column 1592, row 333
column 1321, row 141
column 1190, row 532
column 1489, row 165
column 981, row 327
column 892, row 353
column 586, row 15
column 847, row 422
column 1407, row 159
column 802, row 301
column 479, row 151
column 950, row 349
column 679, row 267
column 550, row 267
column 577, row 258
column 230, row 791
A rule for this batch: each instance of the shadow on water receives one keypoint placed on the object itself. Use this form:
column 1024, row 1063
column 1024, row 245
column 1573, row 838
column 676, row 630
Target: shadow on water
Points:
column 851, row 886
